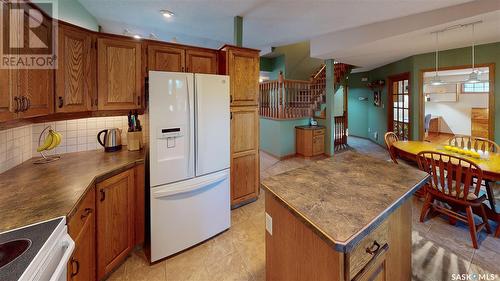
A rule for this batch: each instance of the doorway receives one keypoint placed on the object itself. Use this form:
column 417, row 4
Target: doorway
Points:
column 457, row 106
column 399, row 105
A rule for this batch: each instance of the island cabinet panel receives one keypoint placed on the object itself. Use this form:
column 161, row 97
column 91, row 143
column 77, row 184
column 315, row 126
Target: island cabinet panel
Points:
column 140, row 202
column 201, row 61
column 166, row 58
column 119, row 74
column 294, row 252
column 115, row 221
column 81, row 228
column 73, row 75
column 244, row 154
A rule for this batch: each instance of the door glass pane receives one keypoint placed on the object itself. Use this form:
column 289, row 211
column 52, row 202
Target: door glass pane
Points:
column 405, row 116
column 400, row 87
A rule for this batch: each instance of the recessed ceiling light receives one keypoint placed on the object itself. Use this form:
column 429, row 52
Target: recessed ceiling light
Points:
column 167, row 13
column 137, row 36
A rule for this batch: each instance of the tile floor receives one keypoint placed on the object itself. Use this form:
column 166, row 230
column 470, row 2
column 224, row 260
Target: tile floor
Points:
column 439, row 249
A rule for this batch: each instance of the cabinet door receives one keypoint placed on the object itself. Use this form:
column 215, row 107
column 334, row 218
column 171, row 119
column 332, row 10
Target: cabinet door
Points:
column 115, row 221
column 166, row 58
column 73, row 80
column 8, row 94
column 81, row 227
column 36, row 86
column 8, row 79
column 244, row 154
column 318, row 145
column 244, row 72
column 119, row 74
column 374, row 272
column 201, row 61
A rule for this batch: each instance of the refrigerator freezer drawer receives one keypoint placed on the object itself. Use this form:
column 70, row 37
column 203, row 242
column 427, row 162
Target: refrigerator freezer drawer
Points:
column 186, row 213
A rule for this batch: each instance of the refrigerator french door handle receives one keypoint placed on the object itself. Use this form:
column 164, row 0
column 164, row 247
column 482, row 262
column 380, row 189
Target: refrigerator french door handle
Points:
column 189, row 124
column 166, row 192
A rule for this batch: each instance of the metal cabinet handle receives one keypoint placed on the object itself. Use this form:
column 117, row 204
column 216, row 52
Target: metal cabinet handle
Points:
column 29, row 103
column 23, row 104
column 87, row 212
column 61, row 102
column 18, row 105
column 374, row 248
column 77, row 266
column 103, row 195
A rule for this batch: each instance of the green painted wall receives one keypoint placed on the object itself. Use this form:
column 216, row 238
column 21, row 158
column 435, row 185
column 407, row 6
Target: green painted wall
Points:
column 358, row 109
column 294, row 60
column 377, row 116
column 278, row 137
column 73, row 12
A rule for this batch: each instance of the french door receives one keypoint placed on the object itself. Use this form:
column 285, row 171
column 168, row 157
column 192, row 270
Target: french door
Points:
column 399, row 105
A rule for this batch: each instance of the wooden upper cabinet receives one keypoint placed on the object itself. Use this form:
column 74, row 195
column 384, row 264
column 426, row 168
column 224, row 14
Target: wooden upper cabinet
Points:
column 166, row 58
column 36, row 86
column 8, row 94
column 243, row 69
column 119, row 74
column 115, row 221
column 73, row 75
column 201, row 61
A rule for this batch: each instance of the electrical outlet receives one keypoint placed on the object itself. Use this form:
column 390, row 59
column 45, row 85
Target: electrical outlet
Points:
column 269, row 224
column 369, row 130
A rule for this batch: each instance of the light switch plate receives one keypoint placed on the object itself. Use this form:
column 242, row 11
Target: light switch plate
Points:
column 269, row 224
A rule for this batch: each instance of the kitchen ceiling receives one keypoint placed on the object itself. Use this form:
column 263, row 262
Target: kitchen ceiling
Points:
column 364, row 33
column 266, row 23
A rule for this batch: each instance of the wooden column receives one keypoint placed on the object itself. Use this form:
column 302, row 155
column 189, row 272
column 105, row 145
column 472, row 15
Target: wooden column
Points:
column 238, row 31
column 330, row 123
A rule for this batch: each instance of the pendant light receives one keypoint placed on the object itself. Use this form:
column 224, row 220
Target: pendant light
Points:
column 474, row 75
column 436, row 80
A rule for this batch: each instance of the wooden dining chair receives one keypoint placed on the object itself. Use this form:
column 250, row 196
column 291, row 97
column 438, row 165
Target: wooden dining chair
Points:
column 452, row 183
column 476, row 143
column 390, row 138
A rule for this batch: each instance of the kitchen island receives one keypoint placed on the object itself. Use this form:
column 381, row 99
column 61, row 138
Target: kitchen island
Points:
column 342, row 218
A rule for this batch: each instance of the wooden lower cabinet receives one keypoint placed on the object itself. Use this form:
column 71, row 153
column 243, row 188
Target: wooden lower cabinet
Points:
column 309, row 141
column 115, row 221
column 295, row 252
column 81, row 228
column 106, row 225
column 244, row 155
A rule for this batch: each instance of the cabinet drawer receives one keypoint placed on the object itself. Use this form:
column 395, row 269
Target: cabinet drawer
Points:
column 84, row 209
column 360, row 256
column 318, row 132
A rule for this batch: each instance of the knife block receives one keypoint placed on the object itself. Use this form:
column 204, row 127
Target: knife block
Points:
column 134, row 141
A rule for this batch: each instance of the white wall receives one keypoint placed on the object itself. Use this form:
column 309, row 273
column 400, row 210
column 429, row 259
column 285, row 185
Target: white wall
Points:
column 456, row 116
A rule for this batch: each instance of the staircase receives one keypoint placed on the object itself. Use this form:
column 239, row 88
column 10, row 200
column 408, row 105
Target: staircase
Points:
column 292, row 99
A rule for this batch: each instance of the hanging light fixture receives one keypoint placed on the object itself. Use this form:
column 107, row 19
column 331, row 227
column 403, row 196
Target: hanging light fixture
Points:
column 436, row 80
column 474, row 75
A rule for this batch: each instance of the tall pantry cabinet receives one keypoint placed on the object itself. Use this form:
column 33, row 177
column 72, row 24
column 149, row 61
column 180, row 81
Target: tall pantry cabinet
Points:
column 242, row 66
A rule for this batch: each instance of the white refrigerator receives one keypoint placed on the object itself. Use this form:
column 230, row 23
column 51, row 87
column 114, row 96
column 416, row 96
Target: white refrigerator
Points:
column 189, row 158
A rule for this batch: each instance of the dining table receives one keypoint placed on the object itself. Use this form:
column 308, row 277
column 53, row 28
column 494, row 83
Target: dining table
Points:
column 489, row 162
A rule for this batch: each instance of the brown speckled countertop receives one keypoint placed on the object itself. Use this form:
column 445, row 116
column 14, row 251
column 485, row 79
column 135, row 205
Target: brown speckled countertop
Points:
column 344, row 197
column 32, row 193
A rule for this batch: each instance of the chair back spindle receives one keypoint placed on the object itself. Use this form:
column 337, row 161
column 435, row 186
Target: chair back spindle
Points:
column 390, row 138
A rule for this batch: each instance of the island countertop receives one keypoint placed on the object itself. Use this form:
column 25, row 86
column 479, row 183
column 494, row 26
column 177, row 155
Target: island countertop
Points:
column 32, row 193
column 344, row 197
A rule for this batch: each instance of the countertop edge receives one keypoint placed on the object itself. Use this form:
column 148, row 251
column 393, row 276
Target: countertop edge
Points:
column 99, row 178
column 349, row 244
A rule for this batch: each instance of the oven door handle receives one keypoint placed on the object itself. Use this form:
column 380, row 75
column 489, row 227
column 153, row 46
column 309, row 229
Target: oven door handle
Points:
column 69, row 244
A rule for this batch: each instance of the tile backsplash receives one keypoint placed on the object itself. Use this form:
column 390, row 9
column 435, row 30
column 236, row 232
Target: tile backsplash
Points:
column 19, row 144
column 15, row 147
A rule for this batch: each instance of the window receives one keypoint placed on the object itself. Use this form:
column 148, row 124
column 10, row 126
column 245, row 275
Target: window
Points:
column 476, row 87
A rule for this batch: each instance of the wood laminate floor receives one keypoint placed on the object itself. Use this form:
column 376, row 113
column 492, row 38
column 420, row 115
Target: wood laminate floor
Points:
column 439, row 249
